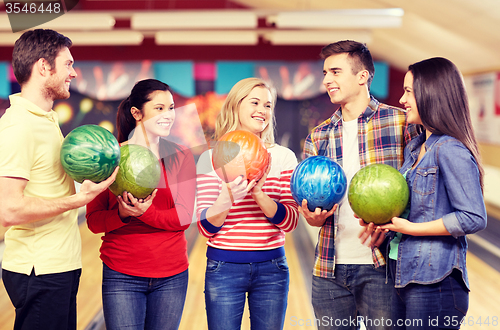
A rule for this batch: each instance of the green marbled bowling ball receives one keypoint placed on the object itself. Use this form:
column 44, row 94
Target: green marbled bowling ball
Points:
column 90, row 152
column 377, row 193
column 139, row 172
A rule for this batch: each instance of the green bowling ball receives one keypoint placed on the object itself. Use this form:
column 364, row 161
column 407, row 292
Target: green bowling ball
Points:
column 377, row 193
column 90, row 152
column 139, row 172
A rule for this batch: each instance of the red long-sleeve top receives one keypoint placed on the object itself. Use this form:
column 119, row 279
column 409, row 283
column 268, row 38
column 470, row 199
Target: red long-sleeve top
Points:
column 154, row 244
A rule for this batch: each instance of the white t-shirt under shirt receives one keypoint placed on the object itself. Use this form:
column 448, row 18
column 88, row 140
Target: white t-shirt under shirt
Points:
column 348, row 247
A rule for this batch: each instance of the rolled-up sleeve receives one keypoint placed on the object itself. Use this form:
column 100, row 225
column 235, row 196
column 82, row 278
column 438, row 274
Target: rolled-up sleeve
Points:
column 461, row 178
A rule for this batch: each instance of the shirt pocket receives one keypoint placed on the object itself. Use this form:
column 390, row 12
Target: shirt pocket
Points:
column 425, row 181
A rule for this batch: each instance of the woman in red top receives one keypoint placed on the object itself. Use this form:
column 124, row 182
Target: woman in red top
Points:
column 144, row 252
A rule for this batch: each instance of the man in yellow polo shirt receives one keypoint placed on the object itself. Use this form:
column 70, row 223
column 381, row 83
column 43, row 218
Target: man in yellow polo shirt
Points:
column 41, row 266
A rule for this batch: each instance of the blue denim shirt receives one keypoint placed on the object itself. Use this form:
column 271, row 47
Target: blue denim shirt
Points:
column 445, row 184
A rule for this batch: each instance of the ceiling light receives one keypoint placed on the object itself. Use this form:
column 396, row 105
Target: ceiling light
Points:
column 194, row 20
column 71, row 22
column 320, row 37
column 67, row 22
column 4, row 23
column 105, row 38
column 8, row 38
column 340, row 19
column 206, row 38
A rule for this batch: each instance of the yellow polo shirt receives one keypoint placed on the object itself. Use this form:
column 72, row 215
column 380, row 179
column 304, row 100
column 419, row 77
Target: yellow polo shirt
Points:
column 30, row 142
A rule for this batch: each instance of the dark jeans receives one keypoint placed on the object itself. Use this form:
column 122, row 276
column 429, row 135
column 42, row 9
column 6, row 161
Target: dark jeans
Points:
column 43, row 302
column 132, row 302
column 357, row 293
column 441, row 305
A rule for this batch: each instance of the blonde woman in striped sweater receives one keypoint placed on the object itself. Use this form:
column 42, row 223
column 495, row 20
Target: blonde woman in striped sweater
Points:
column 245, row 254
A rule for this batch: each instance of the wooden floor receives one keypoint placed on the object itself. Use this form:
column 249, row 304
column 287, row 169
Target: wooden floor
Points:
column 484, row 296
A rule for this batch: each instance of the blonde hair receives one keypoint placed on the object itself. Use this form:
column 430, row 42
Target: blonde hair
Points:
column 228, row 118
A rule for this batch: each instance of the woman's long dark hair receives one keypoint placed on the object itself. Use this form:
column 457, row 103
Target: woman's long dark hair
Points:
column 125, row 123
column 442, row 102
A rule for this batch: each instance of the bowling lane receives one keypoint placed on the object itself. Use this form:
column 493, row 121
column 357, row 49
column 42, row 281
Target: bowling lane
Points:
column 486, row 245
column 484, row 281
column 484, row 298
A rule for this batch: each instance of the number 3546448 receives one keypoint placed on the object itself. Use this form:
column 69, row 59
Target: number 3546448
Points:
column 33, row 7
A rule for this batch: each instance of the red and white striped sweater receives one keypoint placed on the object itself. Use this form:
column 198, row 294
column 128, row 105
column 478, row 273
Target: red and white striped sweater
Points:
column 246, row 227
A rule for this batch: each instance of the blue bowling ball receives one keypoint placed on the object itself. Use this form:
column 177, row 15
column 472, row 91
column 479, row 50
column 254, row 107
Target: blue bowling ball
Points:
column 320, row 180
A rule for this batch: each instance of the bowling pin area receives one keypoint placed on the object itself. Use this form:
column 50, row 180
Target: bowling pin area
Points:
column 483, row 262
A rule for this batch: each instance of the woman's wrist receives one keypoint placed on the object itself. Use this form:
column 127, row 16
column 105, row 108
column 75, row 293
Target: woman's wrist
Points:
column 258, row 194
column 124, row 219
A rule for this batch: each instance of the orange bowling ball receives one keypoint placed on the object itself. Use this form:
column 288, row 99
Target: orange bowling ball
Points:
column 240, row 153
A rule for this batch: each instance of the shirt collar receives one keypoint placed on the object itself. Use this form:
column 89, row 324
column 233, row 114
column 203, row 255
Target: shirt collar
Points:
column 431, row 140
column 368, row 114
column 419, row 140
column 18, row 100
column 371, row 109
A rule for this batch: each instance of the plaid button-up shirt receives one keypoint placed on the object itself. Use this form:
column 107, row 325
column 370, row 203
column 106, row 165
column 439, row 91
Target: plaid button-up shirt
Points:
column 383, row 134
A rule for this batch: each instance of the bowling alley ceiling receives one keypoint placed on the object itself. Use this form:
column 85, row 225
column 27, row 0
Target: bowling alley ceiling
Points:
column 399, row 32
column 467, row 32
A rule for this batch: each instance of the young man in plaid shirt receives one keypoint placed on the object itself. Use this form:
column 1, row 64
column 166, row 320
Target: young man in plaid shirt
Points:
column 349, row 278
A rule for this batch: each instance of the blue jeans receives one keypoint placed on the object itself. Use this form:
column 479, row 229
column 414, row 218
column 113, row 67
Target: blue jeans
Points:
column 226, row 287
column 131, row 302
column 441, row 305
column 43, row 301
column 358, row 292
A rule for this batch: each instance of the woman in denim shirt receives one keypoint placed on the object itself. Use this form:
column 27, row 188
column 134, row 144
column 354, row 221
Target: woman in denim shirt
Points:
column 427, row 256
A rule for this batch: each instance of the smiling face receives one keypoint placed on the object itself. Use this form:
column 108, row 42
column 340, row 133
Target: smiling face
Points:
column 158, row 114
column 57, row 85
column 408, row 100
column 342, row 85
column 255, row 111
